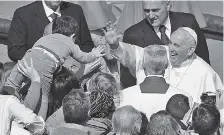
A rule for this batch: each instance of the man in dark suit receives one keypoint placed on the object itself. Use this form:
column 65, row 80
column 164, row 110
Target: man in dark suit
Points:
column 28, row 25
column 156, row 28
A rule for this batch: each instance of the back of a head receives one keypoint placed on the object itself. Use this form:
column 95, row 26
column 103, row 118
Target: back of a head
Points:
column 163, row 124
column 65, row 25
column 178, row 106
column 206, row 119
column 105, row 82
column 155, row 60
column 128, row 121
column 62, row 84
column 76, row 106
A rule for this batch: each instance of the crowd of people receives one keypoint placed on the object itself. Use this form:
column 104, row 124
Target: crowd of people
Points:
column 155, row 79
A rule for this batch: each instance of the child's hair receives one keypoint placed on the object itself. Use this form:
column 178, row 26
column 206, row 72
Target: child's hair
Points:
column 62, row 84
column 65, row 25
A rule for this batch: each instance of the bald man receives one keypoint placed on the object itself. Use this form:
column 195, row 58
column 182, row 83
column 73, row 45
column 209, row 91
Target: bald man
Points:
column 157, row 27
column 187, row 71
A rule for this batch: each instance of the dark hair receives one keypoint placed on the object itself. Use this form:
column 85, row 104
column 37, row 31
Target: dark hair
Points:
column 206, row 119
column 65, row 25
column 144, row 124
column 178, row 106
column 76, row 106
column 62, row 84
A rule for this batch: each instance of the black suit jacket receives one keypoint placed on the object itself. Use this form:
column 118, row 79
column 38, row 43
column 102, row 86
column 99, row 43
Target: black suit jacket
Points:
column 29, row 22
column 154, row 84
column 143, row 34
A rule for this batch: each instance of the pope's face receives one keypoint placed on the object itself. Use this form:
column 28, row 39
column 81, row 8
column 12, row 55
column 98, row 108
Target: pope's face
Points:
column 178, row 49
column 156, row 12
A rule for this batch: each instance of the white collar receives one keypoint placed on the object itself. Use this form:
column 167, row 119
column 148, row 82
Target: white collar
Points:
column 49, row 11
column 154, row 75
column 166, row 24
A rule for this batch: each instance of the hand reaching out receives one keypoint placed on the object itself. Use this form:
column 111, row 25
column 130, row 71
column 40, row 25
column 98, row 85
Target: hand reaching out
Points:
column 111, row 36
column 99, row 51
column 28, row 71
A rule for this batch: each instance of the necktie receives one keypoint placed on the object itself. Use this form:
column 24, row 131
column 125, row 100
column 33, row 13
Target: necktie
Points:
column 164, row 37
column 53, row 16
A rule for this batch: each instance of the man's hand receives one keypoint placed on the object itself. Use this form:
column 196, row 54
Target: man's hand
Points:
column 28, row 71
column 99, row 51
column 111, row 36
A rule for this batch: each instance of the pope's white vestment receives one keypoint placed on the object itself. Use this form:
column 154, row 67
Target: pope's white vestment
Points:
column 195, row 78
column 199, row 77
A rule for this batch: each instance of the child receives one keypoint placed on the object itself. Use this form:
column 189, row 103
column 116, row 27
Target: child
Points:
column 49, row 53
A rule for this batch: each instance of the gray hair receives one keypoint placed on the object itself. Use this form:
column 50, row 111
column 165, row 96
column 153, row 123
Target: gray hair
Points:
column 127, row 121
column 163, row 124
column 155, row 60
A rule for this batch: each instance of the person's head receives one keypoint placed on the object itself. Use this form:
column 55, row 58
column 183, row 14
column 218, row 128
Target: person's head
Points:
column 161, row 112
column 178, row 106
column 206, row 119
column 62, row 84
column 182, row 46
column 48, row 29
column 53, row 4
column 101, row 104
column 156, row 12
column 104, row 82
column 75, row 107
column 65, row 25
column 155, row 60
column 163, row 124
column 129, row 121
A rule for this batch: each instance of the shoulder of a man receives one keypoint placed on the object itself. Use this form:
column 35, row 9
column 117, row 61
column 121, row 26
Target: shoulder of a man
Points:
column 187, row 18
column 202, row 67
column 134, row 28
column 71, row 6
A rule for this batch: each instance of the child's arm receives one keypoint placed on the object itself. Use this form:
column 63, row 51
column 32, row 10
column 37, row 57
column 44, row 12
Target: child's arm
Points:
column 84, row 57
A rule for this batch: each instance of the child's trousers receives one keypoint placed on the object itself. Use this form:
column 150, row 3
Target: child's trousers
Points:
column 45, row 66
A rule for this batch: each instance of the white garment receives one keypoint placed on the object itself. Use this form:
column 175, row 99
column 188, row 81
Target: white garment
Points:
column 131, row 56
column 148, row 103
column 12, row 110
column 49, row 11
column 195, row 78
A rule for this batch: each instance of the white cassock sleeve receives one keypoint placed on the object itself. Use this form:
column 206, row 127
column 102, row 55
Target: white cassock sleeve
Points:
column 131, row 56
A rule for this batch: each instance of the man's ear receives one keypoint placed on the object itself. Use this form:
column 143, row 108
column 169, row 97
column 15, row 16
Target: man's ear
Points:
column 169, row 5
column 191, row 50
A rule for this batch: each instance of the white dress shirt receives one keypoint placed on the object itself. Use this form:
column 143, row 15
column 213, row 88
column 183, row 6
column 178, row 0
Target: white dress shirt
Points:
column 49, row 11
column 168, row 28
column 12, row 110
